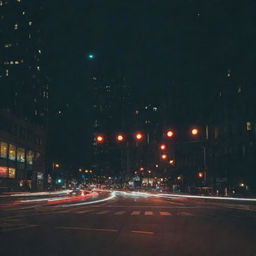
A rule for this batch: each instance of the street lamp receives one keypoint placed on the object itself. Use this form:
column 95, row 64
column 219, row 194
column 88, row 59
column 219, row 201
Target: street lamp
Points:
column 171, row 162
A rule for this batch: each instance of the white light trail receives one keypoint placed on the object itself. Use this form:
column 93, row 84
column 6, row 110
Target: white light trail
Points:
column 112, row 196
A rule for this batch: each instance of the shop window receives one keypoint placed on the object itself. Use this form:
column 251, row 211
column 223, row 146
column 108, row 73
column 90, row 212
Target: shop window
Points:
column 21, row 155
column 12, row 152
column 12, row 173
column 30, row 156
column 3, row 150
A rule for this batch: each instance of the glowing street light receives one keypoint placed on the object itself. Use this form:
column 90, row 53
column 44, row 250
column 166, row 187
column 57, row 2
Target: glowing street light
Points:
column 200, row 175
column 56, row 165
column 91, row 56
column 141, row 169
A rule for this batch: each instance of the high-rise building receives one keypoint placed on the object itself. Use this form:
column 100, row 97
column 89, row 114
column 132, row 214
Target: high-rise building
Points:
column 24, row 88
column 23, row 95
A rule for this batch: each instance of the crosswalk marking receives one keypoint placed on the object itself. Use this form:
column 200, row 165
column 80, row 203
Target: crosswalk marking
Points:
column 119, row 213
column 148, row 213
column 165, row 213
column 102, row 212
column 185, row 214
column 135, row 213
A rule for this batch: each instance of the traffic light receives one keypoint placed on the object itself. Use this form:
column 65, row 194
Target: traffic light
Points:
column 200, row 175
column 162, row 146
column 138, row 136
column 100, row 138
column 164, row 156
column 194, row 131
column 171, row 162
column 169, row 133
column 120, row 137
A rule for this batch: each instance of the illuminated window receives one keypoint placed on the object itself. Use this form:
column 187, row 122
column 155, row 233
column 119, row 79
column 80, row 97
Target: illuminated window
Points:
column 248, row 126
column 3, row 150
column 19, row 1
column 23, row 13
column 17, row 62
column 154, row 108
column 30, row 156
column 3, row 172
column 21, row 155
column 7, row 45
column 11, row 62
column 30, row 23
column 12, row 152
column 16, row 26
column 12, row 172
column 40, row 51
column 38, row 68
column 7, row 72
column 239, row 90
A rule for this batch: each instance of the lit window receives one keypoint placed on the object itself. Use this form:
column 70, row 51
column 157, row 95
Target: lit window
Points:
column 17, row 62
column 16, row 26
column 154, row 108
column 29, row 36
column 1, row 3
column 19, row 1
column 38, row 68
column 30, row 23
column 30, row 156
column 12, row 152
column 39, row 51
column 23, row 13
column 239, row 90
column 3, row 150
column 137, row 112
column 248, row 126
column 11, row 62
column 3, row 172
column 21, row 155
column 35, row 112
column 7, row 72
column 12, row 172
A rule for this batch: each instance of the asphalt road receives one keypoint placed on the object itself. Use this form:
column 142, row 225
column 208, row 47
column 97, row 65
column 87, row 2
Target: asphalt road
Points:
column 130, row 225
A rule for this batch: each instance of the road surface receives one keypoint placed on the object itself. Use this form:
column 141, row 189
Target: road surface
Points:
column 130, row 225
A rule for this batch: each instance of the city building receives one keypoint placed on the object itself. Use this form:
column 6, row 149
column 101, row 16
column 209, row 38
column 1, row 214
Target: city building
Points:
column 23, row 95
column 22, row 154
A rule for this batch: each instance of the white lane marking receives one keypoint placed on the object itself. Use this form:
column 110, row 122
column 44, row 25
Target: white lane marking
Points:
column 19, row 228
column 142, row 232
column 148, row 213
column 135, row 213
column 102, row 212
column 88, row 229
column 119, row 213
column 185, row 214
column 165, row 213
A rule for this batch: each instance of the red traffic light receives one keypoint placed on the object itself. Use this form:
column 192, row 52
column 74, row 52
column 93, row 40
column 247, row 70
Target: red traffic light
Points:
column 169, row 133
column 194, row 131
column 120, row 137
column 163, row 147
column 164, row 156
column 100, row 138
column 200, row 175
column 138, row 136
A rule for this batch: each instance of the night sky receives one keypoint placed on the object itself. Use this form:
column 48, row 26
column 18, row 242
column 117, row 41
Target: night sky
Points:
column 183, row 47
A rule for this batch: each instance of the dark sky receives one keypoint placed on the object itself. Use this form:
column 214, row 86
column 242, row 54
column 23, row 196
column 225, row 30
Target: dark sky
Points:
column 181, row 46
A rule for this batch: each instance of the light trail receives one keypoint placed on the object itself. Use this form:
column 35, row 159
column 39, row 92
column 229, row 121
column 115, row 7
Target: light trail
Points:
column 145, row 194
column 112, row 196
